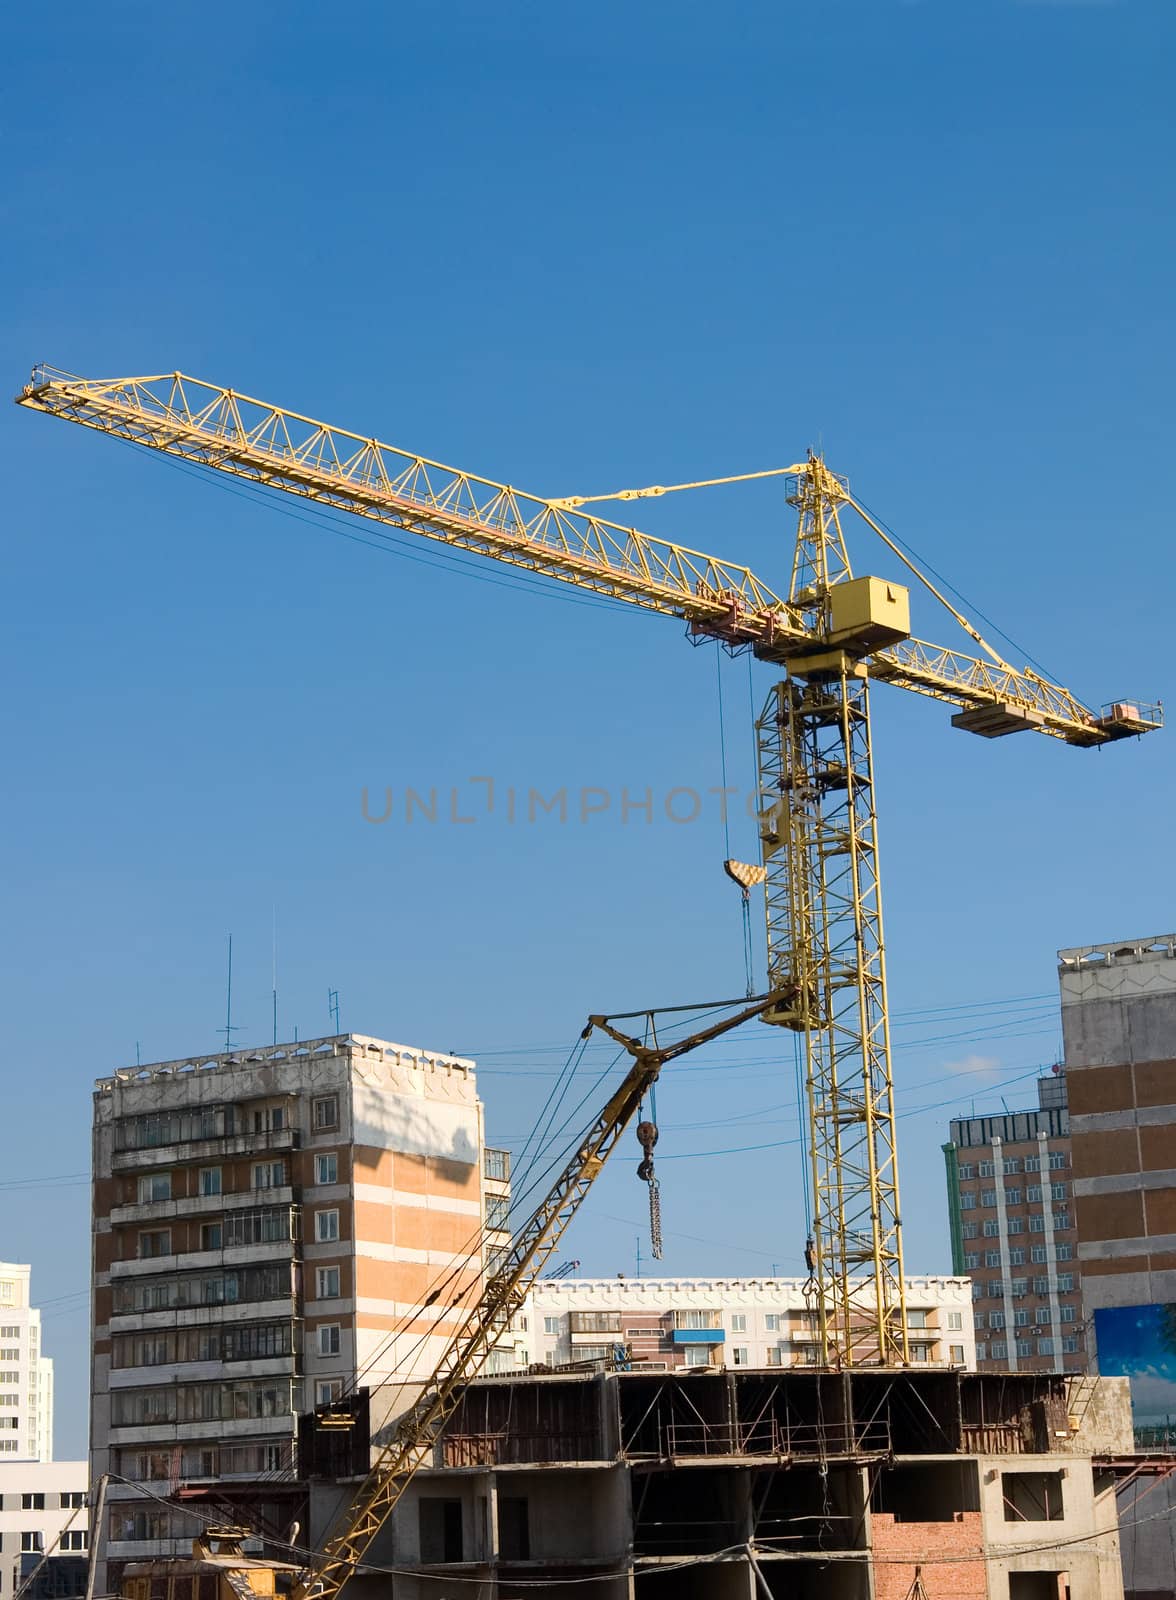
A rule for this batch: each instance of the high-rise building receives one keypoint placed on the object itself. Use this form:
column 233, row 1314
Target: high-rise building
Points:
column 44, row 1523
column 665, row 1323
column 273, row 1228
column 1119, row 1030
column 26, row 1376
column 1011, row 1212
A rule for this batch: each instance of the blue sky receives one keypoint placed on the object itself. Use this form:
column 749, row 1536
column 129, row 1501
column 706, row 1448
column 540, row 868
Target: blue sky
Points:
column 574, row 248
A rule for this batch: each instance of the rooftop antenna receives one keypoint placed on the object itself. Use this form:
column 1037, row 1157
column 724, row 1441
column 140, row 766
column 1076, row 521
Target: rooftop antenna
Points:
column 638, row 1255
column 275, row 974
column 138, row 1060
column 333, row 1006
column 229, row 1028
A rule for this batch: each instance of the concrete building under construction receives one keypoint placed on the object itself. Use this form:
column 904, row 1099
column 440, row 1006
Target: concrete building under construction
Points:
column 728, row 1485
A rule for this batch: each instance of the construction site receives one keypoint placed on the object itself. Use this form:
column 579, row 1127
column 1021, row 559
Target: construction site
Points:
column 354, row 1216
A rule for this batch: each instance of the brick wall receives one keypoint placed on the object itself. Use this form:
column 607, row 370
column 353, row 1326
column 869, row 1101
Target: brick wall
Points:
column 929, row 1542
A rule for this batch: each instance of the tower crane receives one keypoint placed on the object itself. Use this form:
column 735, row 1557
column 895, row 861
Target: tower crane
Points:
column 832, row 634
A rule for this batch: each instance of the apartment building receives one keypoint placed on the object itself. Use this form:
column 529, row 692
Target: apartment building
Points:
column 26, row 1376
column 44, row 1528
column 270, row 1226
column 1011, row 1211
column 666, row 1323
column 1119, row 1031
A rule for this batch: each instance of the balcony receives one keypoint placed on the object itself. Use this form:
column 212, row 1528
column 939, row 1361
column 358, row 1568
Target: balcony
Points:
column 197, row 1205
column 682, row 1336
column 206, row 1151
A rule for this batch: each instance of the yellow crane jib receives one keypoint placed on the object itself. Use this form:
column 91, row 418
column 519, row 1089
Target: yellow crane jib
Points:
column 832, row 632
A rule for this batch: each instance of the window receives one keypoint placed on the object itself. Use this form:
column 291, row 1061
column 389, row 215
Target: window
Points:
column 32, row 1502
column 1036, row 1224
column 996, row 1289
column 1012, row 1164
column 73, row 1539
column 697, row 1319
column 328, row 1390
column 326, row 1281
column 987, row 1169
column 1045, row 1347
column 1016, row 1225
column 1034, row 1194
column 1057, row 1191
column 210, row 1180
column 1041, row 1315
column 981, row 1351
column 1068, row 1313
column 1062, row 1222
column 1057, row 1160
column 1038, row 1253
column 1065, row 1282
column 73, row 1499
column 326, row 1226
column 269, row 1175
column 326, row 1167
column 697, row 1355
column 1013, row 1197
column 996, row 1319
column 967, row 1199
column 965, row 1170
column 1064, row 1252
column 773, row 1356
column 551, row 1325
column 956, row 1355
column 1020, row 1319
column 1018, row 1287
column 210, row 1236
column 9, row 1332
column 739, row 1322
column 157, row 1243
column 978, row 1289
column 740, row 1355
column 992, row 1258
column 1024, row 1348
column 968, row 1230
column 772, row 1322
column 991, row 1228
column 154, row 1186
column 325, row 1112
column 328, row 1339
column 999, row 1350
column 497, row 1211
column 1070, row 1344
column 988, row 1197
column 971, row 1262
column 955, row 1321
column 496, row 1165
column 31, row 1541
column 1041, row 1286
column 1032, row 1163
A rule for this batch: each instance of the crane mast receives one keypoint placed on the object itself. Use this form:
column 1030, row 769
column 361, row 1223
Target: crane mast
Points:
column 832, row 634
column 819, row 843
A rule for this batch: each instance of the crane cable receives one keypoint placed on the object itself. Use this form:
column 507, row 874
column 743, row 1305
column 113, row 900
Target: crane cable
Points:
column 745, row 896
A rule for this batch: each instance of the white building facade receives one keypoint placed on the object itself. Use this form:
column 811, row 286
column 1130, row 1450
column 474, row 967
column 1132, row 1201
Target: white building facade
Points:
column 26, row 1376
column 43, row 1513
column 700, row 1322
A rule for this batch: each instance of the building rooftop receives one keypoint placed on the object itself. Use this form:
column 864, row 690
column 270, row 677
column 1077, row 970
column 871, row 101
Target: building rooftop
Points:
column 301, row 1050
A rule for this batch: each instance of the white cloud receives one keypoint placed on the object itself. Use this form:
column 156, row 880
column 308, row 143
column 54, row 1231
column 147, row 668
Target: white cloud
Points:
column 980, row 1069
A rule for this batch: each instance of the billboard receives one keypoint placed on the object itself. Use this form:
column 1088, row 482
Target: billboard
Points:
column 1139, row 1343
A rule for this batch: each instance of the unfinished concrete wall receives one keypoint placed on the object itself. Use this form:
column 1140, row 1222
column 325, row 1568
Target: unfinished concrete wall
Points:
column 1041, row 1524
